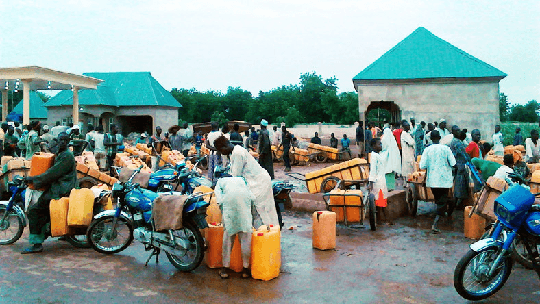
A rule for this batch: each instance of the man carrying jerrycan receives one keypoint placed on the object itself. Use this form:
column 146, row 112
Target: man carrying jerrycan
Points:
column 59, row 180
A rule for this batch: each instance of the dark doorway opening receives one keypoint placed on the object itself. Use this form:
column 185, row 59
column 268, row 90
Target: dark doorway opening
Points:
column 138, row 124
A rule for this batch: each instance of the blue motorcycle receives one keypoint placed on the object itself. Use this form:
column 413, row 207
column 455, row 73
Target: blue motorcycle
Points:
column 113, row 231
column 486, row 267
column 13, row 218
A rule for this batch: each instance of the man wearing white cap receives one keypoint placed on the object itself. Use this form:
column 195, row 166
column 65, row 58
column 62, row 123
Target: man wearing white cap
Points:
column 47, row 136
column 265, row 149
column 76, row 133
column 442, row 128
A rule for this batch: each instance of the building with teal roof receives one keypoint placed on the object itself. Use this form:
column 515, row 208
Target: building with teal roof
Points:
column 427, row 78
column 133, row 100
column 38, row 111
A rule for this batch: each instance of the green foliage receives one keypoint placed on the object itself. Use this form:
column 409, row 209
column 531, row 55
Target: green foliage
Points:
column 293, row 117
column 314, row 100
column 378, row 115
column 220, row 118
column 504, row 106
column 525, row 113
column 43, row 96
column 508, row 130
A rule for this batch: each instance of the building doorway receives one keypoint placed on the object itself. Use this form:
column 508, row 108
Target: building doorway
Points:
column 379, row 112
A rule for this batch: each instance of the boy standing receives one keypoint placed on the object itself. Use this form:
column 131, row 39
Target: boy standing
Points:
column 438, row 161
column 377, row 178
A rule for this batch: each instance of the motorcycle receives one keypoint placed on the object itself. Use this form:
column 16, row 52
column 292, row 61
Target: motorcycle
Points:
column 487, row 265
column 113, row 231
column 281, row 191
column 13, row 218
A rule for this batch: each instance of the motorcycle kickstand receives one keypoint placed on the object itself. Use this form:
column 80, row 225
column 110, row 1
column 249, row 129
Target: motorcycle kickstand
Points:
column 155, row 251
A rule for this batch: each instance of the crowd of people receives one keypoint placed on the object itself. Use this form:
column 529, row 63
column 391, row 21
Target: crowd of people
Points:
column 444, row 155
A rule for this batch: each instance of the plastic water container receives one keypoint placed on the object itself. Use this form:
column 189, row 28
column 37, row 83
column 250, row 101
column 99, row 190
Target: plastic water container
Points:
column 213, row 213
column 59, row 213
column 41, row 162
column 236, row 263
column 324, row 230
column 474, row 226
column 265, row 254
column 214, row 239
column 81, row 206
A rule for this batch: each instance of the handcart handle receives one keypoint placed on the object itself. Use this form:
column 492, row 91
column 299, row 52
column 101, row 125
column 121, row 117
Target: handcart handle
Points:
column 300, row 176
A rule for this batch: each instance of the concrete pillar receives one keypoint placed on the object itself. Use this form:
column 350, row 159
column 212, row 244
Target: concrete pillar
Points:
column 75, row 105
column 4, row 104
column 26, row 101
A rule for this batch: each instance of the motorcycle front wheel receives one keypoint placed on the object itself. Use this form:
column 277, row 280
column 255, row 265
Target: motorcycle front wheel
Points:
column 471, row 276
column 11, row 226
column 189, row 248
column 105, row 238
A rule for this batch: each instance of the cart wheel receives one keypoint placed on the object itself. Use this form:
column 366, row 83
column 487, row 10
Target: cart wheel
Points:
column 321, row 157
column 293, row 159
column 372, row 213
column 411, row 197
column 329, row 183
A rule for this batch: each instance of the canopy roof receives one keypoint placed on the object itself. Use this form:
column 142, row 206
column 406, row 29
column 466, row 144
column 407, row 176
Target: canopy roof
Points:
column 423, row 55
column 37, row 107
column 120, row 89
column 44, row 79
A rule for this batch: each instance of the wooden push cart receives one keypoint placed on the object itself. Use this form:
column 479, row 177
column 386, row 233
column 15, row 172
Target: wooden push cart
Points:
column 341, row 184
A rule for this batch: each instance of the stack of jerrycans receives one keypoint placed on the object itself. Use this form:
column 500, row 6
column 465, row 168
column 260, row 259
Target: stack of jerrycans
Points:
column 214, row 236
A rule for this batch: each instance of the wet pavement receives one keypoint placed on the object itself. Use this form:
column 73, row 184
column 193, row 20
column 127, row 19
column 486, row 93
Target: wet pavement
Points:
column 403, row 263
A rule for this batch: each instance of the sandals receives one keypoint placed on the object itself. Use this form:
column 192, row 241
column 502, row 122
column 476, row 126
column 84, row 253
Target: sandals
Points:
column 246, row 273
column 36, row 248
column 224, row 273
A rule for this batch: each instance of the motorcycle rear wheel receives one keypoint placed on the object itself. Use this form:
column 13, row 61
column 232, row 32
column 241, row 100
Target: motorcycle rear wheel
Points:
column 11, row 228
column 471, row 271
column 105, row 240
column 193, row 256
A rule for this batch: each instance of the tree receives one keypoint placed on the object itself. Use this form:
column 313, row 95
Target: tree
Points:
column 220, row 118
column 504, row 106
column 525, row 113
column 43, row 96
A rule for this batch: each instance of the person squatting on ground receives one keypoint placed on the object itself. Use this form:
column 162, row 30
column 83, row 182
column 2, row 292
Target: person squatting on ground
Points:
column 60, row 179
column 377, row 179
column 236, row 203
column 438, row 161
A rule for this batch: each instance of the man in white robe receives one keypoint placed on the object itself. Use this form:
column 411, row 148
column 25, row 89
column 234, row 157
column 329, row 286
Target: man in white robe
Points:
column 257, row 178
column 408, row 147
column 390, row 157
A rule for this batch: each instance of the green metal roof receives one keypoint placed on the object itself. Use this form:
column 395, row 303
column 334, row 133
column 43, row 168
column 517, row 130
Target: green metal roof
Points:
column 37, row 107
column 120, row 89
column 424, row 55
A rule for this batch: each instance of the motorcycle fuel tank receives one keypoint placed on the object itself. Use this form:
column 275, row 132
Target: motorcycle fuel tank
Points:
column 533, row 223
column 141, row 199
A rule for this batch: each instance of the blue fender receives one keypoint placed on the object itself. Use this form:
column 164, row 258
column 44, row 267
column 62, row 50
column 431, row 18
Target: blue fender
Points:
column 485, row 243
column 112, row 213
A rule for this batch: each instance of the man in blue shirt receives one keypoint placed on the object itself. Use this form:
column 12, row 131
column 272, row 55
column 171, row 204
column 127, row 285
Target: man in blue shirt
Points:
column 345, row 143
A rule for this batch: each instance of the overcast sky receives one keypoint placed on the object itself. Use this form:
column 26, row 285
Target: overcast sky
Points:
column 260, row 45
